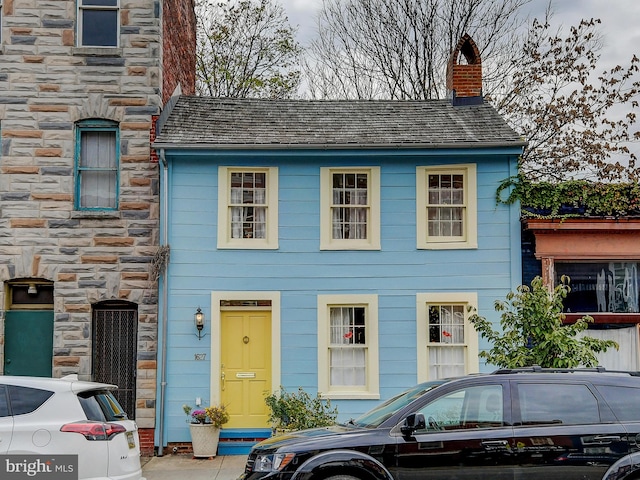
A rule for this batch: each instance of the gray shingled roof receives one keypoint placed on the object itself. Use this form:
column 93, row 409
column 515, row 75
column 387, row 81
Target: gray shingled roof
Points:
column 204, row 122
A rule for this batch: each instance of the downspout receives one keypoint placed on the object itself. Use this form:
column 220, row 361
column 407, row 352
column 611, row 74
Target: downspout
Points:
column 162, row 361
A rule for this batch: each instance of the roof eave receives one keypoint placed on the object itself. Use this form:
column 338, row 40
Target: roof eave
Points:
column 336, row 146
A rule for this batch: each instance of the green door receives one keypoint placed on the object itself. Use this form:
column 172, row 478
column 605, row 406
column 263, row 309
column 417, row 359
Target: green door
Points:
column 28, row 343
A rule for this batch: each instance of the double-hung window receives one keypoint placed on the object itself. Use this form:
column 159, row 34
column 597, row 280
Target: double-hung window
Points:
column 97, row 165
column 447, row 342
column 446, row 207
column 98, row 23
column 350, row 208
column 247, row 207
column 348, row 346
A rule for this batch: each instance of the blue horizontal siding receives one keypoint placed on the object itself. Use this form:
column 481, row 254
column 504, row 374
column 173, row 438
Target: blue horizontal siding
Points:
column 300, row 271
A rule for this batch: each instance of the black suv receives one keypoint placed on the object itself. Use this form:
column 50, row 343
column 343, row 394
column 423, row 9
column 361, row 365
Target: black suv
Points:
column 530, row 423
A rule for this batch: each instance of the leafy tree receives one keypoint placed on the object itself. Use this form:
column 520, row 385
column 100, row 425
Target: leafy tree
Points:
column 246, row 48
column 578, row 122
column 533, row 332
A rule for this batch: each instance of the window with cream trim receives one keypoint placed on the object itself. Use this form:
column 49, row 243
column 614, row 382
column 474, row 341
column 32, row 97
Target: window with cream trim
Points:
column 248, row 208
column 447, row 342
column 350, row 208
column 446, row 198
column 348, row 346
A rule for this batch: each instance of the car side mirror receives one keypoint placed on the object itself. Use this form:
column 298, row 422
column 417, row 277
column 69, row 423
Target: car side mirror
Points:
column 413, row 422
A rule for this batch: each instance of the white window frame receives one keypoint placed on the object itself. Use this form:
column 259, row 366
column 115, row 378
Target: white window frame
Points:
column 80, row 19
column 423, row 301
column 469, row 238
column 372, row 242
column 372, row 388
column 225, row 239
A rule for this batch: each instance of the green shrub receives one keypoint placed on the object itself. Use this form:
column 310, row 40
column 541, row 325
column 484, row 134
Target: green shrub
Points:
column 298, row 411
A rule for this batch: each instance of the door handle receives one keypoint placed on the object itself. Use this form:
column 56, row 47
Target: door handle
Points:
column 222, row 377
column 606, row 438
column 495, row 443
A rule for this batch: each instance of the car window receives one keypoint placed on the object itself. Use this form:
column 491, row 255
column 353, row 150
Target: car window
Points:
column 471, row 407
column 385, row 410
column 26, row 399
column 4, row 403
column 624, row 401
column 101, row 405
column 555, row 403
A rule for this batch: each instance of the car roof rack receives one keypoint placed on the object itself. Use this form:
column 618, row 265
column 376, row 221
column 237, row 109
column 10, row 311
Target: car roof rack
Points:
column 539, row 369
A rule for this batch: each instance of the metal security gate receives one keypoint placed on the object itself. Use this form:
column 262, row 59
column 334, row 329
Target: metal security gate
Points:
column 115, row 331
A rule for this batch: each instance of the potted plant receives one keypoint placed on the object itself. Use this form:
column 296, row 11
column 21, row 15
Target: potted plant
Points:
column 204, row 425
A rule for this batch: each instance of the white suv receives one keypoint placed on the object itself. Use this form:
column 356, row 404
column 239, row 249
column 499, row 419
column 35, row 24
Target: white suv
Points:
column 52, row 417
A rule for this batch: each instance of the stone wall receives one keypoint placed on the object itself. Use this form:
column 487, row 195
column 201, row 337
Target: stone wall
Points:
column 47, row 83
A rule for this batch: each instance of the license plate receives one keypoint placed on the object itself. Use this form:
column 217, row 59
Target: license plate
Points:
column 130, row 440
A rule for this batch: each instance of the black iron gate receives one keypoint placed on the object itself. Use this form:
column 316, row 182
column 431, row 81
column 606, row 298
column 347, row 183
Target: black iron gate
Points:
column 115, row 331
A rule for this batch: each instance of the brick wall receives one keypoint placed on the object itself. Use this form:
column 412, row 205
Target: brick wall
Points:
column 179, row 49
column 464, row 70
column 147, row 448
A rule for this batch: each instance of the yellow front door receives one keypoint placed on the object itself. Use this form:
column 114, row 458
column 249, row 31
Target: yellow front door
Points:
column 245, row 365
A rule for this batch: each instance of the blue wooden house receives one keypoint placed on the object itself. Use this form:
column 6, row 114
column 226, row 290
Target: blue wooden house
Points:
column 330, row 245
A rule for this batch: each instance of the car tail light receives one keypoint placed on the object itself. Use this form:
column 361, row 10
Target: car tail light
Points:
column 94, row 430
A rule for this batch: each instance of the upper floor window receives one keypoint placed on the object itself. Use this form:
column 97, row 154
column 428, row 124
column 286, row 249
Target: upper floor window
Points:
column 446, row 207
column 447, row 342
column 98, row 23
column 348, row 346
column 350, row 209
column 97, row 159
column 247, row 207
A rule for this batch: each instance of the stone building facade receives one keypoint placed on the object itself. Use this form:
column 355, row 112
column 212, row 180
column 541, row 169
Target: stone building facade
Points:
column 81, row 86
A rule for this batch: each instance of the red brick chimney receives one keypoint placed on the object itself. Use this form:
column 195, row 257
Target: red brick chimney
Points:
column 464, row 79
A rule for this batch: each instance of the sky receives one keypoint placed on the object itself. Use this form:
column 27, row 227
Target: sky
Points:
column 620, row 28
column 620, row 22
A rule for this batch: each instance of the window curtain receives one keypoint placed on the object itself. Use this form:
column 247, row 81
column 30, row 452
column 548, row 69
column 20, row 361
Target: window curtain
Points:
column 446, row 361
column 248, row 219
column 98, row 169
column 347, row 363
column 626, row 358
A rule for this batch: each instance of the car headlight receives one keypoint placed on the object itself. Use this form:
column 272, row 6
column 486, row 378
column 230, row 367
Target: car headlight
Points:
column 272, row 462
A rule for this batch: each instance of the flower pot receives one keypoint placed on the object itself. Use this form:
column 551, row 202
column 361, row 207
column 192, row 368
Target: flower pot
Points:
column 204, row 439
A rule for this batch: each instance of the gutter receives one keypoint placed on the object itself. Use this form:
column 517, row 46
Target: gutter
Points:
column 162, row 307
column 343, row 146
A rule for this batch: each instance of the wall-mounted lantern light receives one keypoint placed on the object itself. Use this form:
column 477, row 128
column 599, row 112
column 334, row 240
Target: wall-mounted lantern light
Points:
column 198, row 318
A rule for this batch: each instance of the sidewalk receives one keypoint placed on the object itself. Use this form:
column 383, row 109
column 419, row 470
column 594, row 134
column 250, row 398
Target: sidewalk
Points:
column 178, row 467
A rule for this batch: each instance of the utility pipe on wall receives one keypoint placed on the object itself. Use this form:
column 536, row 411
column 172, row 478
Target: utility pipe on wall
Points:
column 162, row 308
